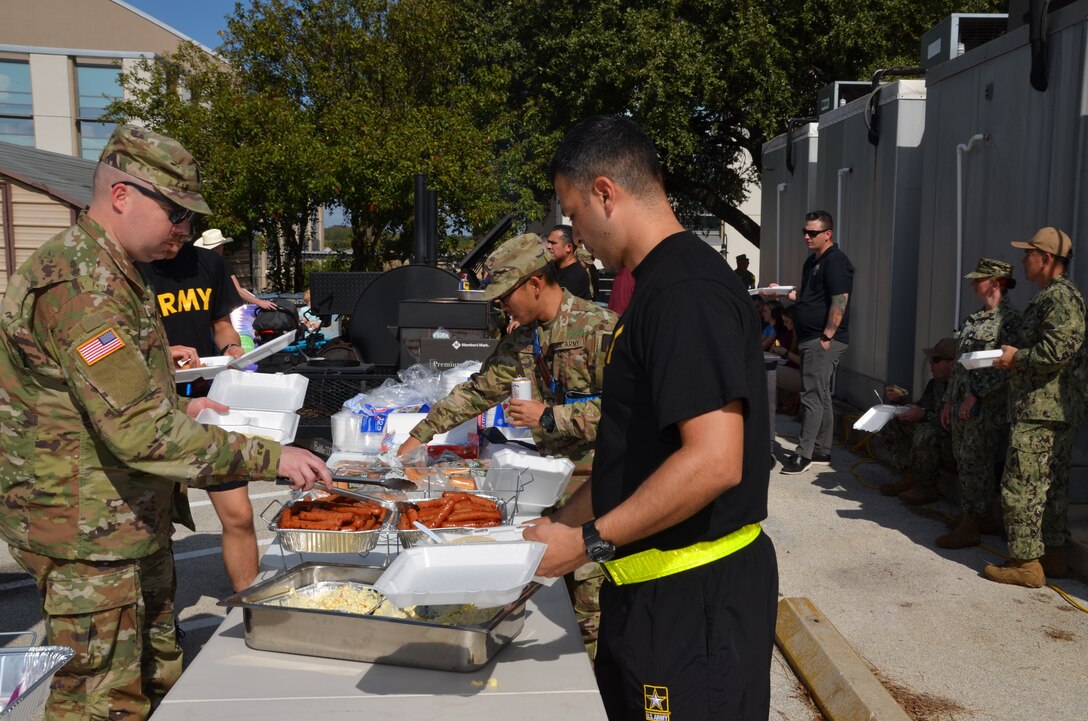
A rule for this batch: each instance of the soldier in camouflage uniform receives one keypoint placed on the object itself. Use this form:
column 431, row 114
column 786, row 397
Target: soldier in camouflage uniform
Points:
column 560, row 345
column 92, row 439
column 1043, row 414
column 917, row 442
column 975, row 407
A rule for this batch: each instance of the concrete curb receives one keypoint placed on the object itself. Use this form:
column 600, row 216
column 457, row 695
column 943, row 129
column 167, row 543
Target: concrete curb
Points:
column 837, row 677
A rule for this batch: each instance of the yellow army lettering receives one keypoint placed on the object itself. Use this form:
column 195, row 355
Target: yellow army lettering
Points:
column 186, row 300
column 656, row 700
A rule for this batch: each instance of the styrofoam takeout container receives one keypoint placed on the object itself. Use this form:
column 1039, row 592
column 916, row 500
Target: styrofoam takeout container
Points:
column 261, row 404
column 776, row 290
column 483, row 574
column 210, row 368
column 877, row 417
column 263, row 351
column 273, row 425
column 980, row 359
column 535, row 482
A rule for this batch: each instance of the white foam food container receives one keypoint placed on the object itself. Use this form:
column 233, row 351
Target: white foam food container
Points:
column 261, row 404
column 776, row 290
column 877, row 417
column 980, row 359
column 273, row 425
column 209, row 368
column 482, row 574
column 263, row 351
column 399, row 425
column 535, row 482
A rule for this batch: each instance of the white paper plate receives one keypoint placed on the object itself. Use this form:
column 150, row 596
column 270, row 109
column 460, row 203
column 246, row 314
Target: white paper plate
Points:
column 877, row 417
column 776, row 290
column 483, row 574
column 211, row 366
column 980, row 359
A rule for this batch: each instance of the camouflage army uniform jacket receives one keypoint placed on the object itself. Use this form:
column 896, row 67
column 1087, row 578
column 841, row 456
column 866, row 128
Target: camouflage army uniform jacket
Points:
column 1041, row 384
column 574, row 345
column 931, row 401
column 985, row 329
column 92, row 439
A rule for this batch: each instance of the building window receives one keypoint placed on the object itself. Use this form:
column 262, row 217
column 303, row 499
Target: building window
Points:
column 98, row 86
column 16, row 108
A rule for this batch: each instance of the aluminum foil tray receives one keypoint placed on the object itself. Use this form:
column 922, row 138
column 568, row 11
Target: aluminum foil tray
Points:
column 412, row 538
column 373, row 639
column 28, row 671
column 303, row 540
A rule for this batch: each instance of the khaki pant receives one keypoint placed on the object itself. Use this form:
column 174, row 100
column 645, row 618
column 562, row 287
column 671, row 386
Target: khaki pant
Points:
column 119, row 618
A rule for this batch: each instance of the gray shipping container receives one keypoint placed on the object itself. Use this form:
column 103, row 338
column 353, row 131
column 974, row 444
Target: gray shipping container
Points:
column 787, row 196
column 873, row 193
column 1028, row 172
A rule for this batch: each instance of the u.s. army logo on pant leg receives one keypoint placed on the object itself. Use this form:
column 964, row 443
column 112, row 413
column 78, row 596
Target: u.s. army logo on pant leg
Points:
column 656, row 700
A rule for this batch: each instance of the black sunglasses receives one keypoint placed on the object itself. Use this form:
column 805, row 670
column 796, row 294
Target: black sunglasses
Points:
column 813, row 233
column 937, row 358
column 175, row 213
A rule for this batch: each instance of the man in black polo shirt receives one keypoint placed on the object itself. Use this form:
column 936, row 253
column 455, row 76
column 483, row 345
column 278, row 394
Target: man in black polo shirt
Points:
column 571, row 274
column 679, row 481
column 822, row 322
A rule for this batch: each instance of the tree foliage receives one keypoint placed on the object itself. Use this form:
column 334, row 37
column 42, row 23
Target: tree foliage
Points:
column 342, row 102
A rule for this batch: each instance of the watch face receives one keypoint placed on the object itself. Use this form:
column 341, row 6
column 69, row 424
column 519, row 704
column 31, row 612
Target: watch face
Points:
column 601, row 551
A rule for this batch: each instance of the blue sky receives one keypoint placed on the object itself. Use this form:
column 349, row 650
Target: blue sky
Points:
column 199, row 19
column 202, row 20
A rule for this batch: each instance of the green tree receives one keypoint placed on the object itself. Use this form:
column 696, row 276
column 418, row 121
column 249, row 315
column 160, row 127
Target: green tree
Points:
column 260, row 159
column 385, row 87
column 710, row 81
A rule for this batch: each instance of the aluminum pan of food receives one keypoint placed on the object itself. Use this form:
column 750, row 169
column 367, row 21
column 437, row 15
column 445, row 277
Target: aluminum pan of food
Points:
column 315, row 540
column 270, row 625
column 409, row 538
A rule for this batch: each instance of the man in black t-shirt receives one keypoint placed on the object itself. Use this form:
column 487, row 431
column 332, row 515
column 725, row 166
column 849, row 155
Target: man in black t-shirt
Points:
column 822, row 324
column 570, row 272
column 195, row 295
column 679, row 483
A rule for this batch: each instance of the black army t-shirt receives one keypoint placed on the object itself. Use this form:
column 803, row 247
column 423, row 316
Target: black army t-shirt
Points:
column 688, row 344
column 192, row 290
column 830, row 275
column 575, row 279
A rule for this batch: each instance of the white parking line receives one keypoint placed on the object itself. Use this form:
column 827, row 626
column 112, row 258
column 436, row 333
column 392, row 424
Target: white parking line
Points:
column 194, row 504
column 214, row 551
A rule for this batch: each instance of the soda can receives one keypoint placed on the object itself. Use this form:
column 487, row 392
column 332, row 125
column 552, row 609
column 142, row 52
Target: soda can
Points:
column 521, row 389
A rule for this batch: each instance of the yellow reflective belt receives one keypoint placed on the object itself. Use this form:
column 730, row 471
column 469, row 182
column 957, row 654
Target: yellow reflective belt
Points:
column 652, row 563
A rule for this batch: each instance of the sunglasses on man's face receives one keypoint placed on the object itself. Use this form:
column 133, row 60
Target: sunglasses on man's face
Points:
column 812, row 233
column 937, row 358
column 174, row 212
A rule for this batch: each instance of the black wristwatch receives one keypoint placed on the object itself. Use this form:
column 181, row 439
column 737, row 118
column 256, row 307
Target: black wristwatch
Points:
column 825, row 338
column 598, row 549
column 547, row 419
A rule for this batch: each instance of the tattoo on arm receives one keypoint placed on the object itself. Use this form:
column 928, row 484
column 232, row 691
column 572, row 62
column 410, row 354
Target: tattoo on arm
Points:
column 835, row 312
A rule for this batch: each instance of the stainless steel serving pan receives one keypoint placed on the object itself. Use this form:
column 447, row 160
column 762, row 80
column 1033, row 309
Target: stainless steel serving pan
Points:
column 334, row 634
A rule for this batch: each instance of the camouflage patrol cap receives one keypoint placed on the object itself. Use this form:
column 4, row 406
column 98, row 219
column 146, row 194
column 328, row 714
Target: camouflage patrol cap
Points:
column 992, row 268
column 515, row 259
column 159, row 160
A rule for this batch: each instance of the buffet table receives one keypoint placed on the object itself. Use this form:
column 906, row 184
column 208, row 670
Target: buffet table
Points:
column 543, row 674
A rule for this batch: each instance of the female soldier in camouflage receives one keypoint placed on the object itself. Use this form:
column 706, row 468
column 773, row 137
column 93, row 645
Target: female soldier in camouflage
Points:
column 975, row 403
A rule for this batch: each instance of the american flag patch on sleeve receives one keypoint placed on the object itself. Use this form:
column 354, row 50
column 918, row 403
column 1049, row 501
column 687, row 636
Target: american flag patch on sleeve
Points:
column 100, row 346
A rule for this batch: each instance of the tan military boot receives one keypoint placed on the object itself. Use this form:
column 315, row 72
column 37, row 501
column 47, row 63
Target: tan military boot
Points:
column 1016, row 572
column 894, row 489
column 1054, row 563
column 919, row 495
column 966, row 534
